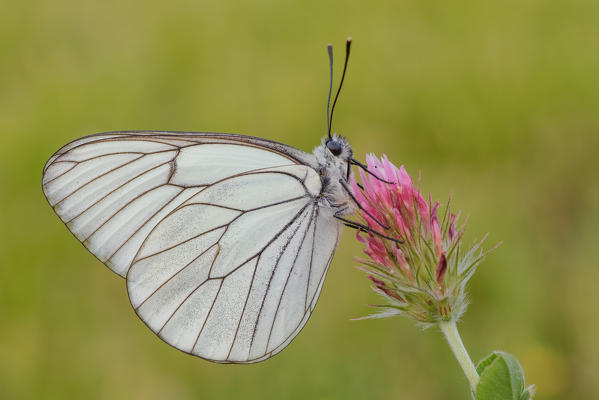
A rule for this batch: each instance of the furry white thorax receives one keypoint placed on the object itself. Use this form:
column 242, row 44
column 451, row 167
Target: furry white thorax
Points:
column 333, row 169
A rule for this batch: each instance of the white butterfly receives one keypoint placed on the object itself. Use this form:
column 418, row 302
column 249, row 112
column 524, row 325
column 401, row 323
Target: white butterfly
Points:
column 224, row 239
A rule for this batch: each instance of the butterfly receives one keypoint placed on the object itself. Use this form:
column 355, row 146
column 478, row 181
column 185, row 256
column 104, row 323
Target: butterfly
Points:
column 224, row 240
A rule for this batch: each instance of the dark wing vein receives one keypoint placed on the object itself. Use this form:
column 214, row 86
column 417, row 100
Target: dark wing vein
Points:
column 174, row 275
column 240, row 265
column 307, row 309
column 244, row 306
column 96, row 177
column 149, row 219
column 270, row 281
column 173, row 166
column 180, row 243
column 209, row 311
column 127, row 205
column 280, row 255
column 143, row 155
column 62, row 173
column 114, row 153
column 195, row 290
column 275, row 237
column 321, row 279
column 313, row 219
column 311, row 257
column 117, row 188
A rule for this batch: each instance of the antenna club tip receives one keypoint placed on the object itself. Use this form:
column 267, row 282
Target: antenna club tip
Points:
column 349, row 39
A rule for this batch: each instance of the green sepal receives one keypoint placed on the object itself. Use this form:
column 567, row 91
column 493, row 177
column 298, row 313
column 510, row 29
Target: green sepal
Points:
column 502, row 378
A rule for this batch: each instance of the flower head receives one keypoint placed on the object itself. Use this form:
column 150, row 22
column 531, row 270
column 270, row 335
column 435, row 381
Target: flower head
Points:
column 424, row 274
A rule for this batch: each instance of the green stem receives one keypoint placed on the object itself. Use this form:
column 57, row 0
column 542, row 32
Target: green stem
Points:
column 452, row 335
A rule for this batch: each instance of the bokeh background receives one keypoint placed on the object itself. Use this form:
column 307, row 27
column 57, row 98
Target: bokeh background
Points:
column 497, row 101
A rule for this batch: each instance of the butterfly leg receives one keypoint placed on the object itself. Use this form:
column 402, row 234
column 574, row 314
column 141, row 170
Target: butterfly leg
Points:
column 364, row 228
column 351, row 195
column 353, row 161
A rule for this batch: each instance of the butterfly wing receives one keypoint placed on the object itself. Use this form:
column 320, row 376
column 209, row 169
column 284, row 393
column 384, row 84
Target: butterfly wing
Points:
column 221, row 237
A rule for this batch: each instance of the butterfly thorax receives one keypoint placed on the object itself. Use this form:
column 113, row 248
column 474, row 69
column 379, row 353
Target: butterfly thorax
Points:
column 333, row 157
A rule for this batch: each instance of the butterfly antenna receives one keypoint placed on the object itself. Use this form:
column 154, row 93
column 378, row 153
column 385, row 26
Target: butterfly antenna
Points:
column 347, row 48
column 330, row 51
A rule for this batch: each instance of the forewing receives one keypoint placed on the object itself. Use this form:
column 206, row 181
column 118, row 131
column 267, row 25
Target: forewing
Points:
column 112, row 189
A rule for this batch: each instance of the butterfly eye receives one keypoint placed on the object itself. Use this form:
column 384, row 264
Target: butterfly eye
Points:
column 334, row 147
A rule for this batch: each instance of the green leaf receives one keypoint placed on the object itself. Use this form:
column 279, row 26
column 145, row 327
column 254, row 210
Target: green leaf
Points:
column 502, row 378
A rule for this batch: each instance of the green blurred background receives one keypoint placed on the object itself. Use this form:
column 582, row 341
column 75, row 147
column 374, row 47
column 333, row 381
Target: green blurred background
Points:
column 497, row 101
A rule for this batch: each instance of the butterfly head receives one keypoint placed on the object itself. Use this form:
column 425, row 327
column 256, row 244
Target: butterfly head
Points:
column 333, row 152
column 338, row 147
